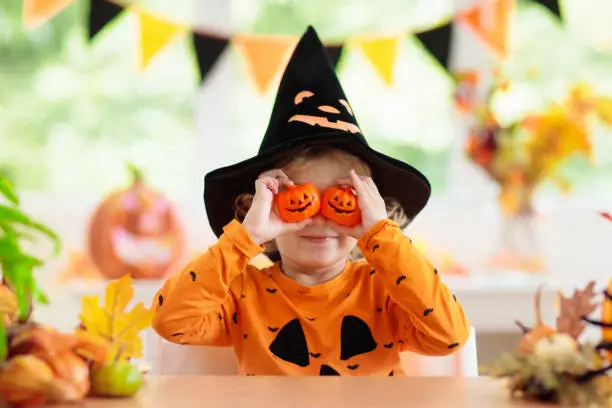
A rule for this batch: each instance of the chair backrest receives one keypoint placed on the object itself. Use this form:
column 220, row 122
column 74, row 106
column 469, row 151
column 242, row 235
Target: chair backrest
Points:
column 174, row 359
column 463, row 363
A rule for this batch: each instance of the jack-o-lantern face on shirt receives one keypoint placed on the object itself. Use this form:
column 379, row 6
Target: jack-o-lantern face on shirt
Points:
column 291, row 346
column 298, row 202
column 339, row 204
column 337, row 115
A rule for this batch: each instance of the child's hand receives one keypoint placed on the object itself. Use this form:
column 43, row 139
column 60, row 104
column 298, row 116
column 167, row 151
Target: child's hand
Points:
column 371, row 204
column 261, row 222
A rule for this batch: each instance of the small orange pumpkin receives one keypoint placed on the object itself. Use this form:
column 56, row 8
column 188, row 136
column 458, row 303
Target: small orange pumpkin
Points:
column 340, row 205
column 531, row 336
column 298, row 202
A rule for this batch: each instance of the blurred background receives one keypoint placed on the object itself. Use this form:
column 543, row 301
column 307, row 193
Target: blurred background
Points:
column 505, row 105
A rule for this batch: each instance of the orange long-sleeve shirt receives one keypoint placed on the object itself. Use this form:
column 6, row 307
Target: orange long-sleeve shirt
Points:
column 355, row 324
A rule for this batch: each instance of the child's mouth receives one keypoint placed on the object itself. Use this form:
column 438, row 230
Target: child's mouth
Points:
column 317, row 239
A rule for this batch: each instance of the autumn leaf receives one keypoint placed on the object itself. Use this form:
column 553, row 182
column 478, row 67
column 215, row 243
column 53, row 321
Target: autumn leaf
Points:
column 573, row 309
column 113, row 323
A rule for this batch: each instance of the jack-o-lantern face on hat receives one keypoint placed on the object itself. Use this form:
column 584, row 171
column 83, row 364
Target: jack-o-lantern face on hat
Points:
column 298, row 202
column 339, row 204
column 329, row 114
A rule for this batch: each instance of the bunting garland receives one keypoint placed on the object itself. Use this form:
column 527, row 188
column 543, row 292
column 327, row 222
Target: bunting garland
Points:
column 334, row 52
column 490, row 20
column 437, row 42
column 155, row 34
column 207, row 50
column 382, row 53
column 266, row 56
column 552, row 5
column 36, row 12
column 101, row 13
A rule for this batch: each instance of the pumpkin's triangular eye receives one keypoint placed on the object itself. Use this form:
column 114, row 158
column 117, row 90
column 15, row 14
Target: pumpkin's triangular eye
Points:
column 305, row 197
column 292, row 201
column 355, row 338
column 290, row 344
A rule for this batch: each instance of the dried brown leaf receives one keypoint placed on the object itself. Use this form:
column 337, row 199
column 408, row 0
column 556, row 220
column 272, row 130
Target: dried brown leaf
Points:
column 574, row 308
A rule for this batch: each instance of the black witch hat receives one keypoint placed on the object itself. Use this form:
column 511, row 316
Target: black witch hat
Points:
column 311, row 110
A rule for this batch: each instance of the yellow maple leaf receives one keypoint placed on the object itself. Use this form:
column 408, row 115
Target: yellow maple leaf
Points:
column 113, row 323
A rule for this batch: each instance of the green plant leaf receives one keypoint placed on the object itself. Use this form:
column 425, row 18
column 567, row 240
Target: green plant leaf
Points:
column 13, row 233
column 39, row 296
column 10, row 252
column 6, row 190
column 3, row 341
column 14, row 215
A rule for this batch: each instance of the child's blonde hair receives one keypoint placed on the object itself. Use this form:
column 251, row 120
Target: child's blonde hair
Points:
column 242, row 204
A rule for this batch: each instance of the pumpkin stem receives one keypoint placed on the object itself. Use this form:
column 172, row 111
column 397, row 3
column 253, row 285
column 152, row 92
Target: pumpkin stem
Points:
column 523, row 328
column 135, row 173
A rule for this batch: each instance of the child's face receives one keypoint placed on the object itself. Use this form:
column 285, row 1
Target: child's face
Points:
column 317, row 245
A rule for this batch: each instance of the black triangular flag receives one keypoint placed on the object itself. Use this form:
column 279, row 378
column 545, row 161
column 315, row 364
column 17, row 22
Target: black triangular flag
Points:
column 334, row 52
column 101, row 12
column 208, row 50
column 438, row 42
column 552, row 5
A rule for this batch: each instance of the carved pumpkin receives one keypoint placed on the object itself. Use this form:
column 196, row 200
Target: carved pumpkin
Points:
column 135, row 231
column 298, row 202
column 339, row 204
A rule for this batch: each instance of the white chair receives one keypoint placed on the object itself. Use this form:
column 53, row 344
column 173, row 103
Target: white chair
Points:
column 173, row 359
column 463, row 363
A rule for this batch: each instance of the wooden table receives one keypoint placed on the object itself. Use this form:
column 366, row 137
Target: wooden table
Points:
column 319, row 392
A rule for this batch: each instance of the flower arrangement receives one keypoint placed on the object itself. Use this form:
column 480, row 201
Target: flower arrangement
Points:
column 522, row 155
column 39, row 364
column 554, row 364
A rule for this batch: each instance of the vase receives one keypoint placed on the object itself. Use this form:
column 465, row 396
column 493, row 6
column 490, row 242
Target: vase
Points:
column 518, row 248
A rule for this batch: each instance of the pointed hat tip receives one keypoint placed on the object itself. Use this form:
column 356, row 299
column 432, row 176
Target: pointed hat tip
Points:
column 310, row 35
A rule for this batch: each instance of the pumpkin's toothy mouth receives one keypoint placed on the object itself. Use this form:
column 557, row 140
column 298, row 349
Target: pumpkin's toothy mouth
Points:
column 338, row 210
column 139, row 251
column 301, row 209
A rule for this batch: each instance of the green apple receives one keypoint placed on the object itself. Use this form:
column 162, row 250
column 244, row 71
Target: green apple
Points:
column 116, row 379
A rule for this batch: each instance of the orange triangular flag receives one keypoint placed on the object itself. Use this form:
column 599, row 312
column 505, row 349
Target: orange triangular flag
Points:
column 36, row 12
column 155, row 34
column 465, row 91
column 265, row 55
column 490, row 21
column 382, row 53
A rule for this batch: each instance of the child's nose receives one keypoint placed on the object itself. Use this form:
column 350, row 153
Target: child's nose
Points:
column 318, row 219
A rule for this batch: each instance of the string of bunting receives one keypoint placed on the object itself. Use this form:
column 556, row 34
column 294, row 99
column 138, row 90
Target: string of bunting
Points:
column 266, row 55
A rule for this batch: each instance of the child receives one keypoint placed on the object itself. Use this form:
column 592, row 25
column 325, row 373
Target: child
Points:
column 314, row 312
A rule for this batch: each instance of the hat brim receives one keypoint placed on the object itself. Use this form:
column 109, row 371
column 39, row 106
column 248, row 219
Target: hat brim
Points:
column 393, row 177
